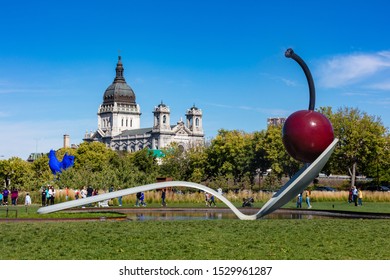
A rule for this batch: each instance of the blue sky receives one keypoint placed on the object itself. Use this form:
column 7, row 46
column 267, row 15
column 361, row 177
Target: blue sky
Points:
column 226, row 57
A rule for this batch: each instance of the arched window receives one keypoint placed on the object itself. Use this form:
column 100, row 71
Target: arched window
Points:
column 127, row 122
column 197, row 122
column 122, row 122
column 164, row 119
column 131, row 122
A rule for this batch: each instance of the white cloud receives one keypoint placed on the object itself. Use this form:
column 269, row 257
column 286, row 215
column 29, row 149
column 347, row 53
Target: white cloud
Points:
column 381, row 86
column 287, row 82
column 370, row 70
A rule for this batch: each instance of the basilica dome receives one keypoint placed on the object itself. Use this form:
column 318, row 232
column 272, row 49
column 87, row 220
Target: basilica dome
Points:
column 119, row 91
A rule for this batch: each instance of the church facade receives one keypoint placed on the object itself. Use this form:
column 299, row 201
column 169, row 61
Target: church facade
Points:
column 119, row 122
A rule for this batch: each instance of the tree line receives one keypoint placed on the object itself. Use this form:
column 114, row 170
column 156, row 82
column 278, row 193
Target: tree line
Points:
column 233, row 159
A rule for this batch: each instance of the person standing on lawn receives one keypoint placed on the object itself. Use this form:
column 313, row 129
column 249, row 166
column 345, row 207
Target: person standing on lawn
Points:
column 206, row 198
column 14, row 196
column 355, row 195
column 27, row 200
column 307, row 193
column 360, row 197
column 299, row 200
column 142, row 199
column 43, row 196
column 163, row 195
column 5, row 196
column 138, row 198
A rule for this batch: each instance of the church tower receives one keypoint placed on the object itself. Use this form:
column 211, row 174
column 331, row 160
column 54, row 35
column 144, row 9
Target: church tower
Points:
column 161, row 130
column 162, row 118
column 194, row 120
column 119, row 110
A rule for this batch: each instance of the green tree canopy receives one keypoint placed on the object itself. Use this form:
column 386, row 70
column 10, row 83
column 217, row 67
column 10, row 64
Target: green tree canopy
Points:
column 362, row 141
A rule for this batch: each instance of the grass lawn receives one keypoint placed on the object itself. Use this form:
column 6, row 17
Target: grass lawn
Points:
column 370, row 207
column 322, row 239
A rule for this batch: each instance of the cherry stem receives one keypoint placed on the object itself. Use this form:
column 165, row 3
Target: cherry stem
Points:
column 290, row 54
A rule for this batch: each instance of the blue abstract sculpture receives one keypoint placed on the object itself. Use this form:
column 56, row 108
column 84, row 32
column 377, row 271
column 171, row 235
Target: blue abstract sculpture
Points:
column 57, row 166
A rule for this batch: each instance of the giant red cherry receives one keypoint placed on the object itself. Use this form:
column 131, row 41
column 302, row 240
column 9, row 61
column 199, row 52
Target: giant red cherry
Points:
column 306, row 133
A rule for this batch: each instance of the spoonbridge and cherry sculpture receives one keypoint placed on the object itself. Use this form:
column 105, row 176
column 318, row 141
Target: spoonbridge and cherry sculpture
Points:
column 307, row 137
column 290, row 190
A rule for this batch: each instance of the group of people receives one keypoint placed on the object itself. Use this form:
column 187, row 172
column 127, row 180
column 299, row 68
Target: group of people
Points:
column 14, row 194
column 140, row 199
column 307, row 199
column 83, row 193
column 210, row 199
column 48, row 195
column 355, row 196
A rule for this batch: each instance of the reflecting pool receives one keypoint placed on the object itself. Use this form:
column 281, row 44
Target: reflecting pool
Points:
column 206, row 215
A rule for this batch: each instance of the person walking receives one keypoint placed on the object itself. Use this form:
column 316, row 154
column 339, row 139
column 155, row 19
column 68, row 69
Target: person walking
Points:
column 206, row 198
column 119, row 199
column 141, row 199
column 83, row 193
column 27, row 200
column 299, row 200
column 138, row 199
column 43, row 196
column 66, row 193
column 350, row 195
column 307, row 193
column 89, row 191
column 14, row 196
column 5, row 196
column 212, row 201
column 360, row 197
column 163, row 195
column 48, row 195
column 76, row 194
column 355, row 195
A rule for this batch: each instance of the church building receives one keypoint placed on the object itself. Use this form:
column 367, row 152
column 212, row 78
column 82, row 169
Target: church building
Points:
column 119, row 118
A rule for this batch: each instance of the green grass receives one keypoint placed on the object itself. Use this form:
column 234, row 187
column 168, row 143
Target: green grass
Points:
column 191, row 240
column 278, row 239
column 22, row 212
column 31, row 211
column 370, row 207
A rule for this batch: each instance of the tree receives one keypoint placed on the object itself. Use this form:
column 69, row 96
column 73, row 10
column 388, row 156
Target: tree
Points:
column 16, row 173
column 230, row 154
column 276, row 156
column 144, row 161
column 362, row 141
column 93, row 156
column 41, row 172
column 174, row 163
column 197, row 159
